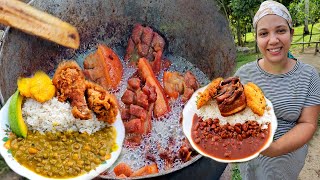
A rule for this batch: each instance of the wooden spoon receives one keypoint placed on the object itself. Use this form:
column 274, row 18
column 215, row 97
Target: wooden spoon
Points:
column 26, row 18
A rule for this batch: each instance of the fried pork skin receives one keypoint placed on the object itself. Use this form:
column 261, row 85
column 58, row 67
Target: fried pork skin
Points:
column 255, row 98
column 103, row 104
column 70, row 83
column 103, row 67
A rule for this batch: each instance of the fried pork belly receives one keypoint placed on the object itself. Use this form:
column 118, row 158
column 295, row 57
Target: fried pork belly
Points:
column 103, row 67
column 70, row 83
column 255, row 98
column 230, row 97
column 103, row 104
column 209, row 92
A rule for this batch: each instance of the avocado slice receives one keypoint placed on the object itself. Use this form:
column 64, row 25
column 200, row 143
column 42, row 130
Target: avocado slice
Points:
column 16, row 122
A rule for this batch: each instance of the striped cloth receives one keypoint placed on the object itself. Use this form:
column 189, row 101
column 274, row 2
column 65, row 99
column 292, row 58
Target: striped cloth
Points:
column 289, row 93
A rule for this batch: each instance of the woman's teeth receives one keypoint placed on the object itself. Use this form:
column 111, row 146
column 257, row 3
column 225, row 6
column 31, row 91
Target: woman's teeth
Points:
column 275, row 50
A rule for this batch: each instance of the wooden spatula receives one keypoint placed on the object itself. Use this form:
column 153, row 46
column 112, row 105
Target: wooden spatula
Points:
column 30, row 20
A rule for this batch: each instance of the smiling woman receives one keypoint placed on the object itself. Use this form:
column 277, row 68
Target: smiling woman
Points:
column 292, row 86
column 274, row 37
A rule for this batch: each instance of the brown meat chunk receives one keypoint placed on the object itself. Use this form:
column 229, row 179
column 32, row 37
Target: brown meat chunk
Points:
column 134, row 126
column 191, row 81
column 134, row 83
column 138, row 111
column 128, row 97
column 142, row 99
column 146, row 43
column 125, row 114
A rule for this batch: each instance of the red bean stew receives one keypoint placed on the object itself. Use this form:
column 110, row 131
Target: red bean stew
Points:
column 226, row 141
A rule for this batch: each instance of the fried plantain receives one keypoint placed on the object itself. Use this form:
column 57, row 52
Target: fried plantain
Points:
column 255, row 98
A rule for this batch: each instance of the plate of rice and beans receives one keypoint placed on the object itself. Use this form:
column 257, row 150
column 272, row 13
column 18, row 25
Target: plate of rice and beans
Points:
column 228, row 121
column 46, row 136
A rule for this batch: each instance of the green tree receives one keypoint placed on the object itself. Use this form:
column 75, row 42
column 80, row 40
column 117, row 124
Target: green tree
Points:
column 242, row 14
column 314, row 14
column 306, row 17
column 298, row 14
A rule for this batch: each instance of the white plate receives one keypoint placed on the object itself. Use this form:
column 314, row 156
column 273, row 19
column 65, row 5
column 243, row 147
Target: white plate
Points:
column 191, row 108
column 23, row 171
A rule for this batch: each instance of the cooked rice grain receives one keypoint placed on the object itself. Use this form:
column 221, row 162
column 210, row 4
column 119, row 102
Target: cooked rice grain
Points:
column 211, row 110
column 53, row 115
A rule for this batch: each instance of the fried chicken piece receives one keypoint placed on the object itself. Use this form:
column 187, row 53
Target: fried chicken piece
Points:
column 255, row 98
column 209, row 92
column 70, row 83
column 103, row 104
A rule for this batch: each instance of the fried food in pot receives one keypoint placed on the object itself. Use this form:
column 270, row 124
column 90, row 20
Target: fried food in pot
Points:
column 145, row 43
column 70, row 83
column 255, row 98
column 176, row 84
column 103, row 67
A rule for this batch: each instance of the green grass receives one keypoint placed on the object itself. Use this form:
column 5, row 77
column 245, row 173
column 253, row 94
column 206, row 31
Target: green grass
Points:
column 235, row 172
column 243, row 58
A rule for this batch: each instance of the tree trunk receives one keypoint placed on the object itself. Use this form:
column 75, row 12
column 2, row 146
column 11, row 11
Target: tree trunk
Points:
column 306, row 18
column 245, row 36
column 239, row 33
column 310, row 34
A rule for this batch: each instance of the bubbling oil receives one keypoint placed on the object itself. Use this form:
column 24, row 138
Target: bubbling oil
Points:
column 166, row 133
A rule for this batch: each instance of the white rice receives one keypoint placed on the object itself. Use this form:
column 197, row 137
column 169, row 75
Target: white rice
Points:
column 211, row 110
column 53, row 116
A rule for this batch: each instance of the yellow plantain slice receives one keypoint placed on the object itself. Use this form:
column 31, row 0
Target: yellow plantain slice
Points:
column 32, row 21
column 255, row 98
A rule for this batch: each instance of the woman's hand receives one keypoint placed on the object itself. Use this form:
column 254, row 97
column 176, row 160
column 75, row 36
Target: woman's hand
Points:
column 297, row 136
column 272, row 150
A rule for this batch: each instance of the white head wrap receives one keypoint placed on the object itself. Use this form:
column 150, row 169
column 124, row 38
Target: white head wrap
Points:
column 272, row 7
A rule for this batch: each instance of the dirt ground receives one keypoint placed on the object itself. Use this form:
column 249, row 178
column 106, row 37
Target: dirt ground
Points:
column 311, row 169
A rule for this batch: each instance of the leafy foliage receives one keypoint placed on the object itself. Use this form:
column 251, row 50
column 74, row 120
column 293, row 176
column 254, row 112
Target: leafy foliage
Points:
column 241, row 17
column 296, row 9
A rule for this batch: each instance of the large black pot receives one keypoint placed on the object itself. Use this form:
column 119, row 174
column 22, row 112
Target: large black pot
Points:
column 194, row 30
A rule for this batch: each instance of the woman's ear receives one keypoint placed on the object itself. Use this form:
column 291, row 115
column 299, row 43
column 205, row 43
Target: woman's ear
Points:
column 291, row 33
